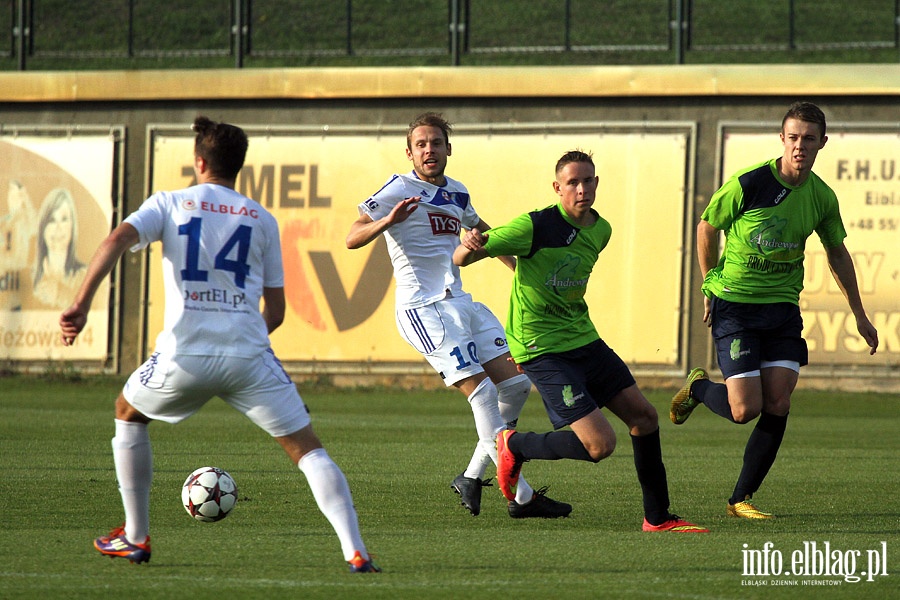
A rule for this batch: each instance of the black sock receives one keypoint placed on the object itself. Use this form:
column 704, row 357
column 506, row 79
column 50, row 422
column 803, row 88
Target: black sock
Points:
column 714, row 396
column 759, row 455
column 553, row 445
column 652, row 476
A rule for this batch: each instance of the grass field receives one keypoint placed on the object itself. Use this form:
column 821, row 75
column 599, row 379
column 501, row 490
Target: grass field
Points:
column 836, row 481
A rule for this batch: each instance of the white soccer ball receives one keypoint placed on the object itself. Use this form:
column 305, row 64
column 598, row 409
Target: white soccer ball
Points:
column 209, row 494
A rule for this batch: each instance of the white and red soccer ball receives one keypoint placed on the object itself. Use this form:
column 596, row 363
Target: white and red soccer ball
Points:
column 209, row 494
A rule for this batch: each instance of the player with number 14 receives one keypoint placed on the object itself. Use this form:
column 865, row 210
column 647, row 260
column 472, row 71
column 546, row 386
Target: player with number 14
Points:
column 221, row 256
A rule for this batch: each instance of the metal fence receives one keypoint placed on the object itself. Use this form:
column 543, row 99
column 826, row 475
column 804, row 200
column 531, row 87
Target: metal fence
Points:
column 39, row 34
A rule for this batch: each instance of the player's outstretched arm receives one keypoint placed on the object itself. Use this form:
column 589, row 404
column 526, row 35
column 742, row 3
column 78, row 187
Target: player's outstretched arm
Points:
column 365, row 229
column 471, row 248
column 509, row 261
column 74, row 318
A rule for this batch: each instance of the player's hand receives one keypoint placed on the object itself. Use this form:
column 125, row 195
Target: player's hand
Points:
column 706, row 311
column 868, row 332
column 71, row 322
column 474, row 239
column 403, row 209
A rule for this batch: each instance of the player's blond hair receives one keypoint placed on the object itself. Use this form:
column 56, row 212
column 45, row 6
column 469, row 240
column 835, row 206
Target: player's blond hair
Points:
column 429, row 119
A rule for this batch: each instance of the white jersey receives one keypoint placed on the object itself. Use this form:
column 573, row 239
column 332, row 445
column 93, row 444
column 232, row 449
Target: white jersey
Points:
column 421, row 247
column 220, row 249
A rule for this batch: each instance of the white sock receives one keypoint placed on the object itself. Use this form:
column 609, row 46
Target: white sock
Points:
column 133, row 457
column 511, row 397
column 524, row 492
column 332, row 494
column 488, row 424
column 481, row 458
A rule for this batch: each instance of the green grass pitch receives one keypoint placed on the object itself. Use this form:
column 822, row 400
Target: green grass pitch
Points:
column 837, row 481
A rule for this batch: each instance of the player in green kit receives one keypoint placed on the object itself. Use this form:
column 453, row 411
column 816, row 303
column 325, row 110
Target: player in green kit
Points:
column 752, row 293
column 553, row 340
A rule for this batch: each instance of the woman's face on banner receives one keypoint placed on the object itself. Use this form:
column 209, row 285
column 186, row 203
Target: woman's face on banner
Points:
column 58, row 232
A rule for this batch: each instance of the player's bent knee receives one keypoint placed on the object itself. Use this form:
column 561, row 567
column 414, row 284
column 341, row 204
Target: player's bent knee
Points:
column 126, row 412
column 598, row 450
column 743, row 414
column 598, row 454
column 648, row 421
column 299, row 443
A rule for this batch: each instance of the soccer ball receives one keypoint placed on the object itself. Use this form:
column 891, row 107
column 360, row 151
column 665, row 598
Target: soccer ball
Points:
column 209, row 494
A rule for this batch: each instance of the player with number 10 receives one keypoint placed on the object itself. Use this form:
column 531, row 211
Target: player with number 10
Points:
column 421, row 214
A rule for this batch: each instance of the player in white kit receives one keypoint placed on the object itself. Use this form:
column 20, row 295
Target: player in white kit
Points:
column 421, row 215
column 221, row 256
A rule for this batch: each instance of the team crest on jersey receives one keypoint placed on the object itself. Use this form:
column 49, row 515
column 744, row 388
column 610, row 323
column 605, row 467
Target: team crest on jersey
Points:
column 563, row 280
column 443, row 197
column 768, row 237
column 189, row 204
column 444, row 224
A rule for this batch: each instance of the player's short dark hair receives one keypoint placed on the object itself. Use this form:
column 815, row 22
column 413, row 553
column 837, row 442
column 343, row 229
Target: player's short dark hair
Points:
column 429, row 119
column 222, row 146
column 574, row 156
column 805, row 111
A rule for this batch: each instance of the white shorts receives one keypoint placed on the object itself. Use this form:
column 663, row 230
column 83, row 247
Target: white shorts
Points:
column 455, row 335
column 172, row 388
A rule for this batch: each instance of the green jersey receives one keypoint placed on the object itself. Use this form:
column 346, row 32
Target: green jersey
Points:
column 766, row 224
column 547, row 310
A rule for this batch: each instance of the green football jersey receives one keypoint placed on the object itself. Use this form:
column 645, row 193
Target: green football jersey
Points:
column 766, row 224
column 547, row 310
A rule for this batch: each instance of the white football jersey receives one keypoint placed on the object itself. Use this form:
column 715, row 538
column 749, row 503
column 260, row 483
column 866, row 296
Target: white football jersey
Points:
column 421, row 247
column 220, row 249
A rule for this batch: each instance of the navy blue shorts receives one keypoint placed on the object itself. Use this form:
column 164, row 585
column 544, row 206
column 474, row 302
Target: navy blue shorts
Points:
column 574, row 383
column 747, row 334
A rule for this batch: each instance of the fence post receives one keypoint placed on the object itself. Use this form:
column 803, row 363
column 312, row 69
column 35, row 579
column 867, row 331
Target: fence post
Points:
column 455, row 27
column 21, row 33
column 238, row 30
column 897, row 25
column 349, row 27
column 792, row 27
column 678, row 26
column 130, row 28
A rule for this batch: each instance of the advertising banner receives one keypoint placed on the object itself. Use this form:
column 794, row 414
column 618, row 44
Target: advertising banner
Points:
column 863, row 168
column 56, row 191
column 340, row 302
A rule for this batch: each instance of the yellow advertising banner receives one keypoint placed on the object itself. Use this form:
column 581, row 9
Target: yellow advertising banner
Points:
column 341, row 302
column 55, row 209
column 863, row 168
